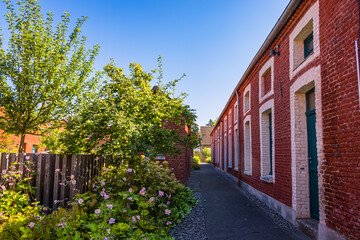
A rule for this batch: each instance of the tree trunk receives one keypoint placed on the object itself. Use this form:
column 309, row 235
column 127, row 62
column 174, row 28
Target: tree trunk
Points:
column 21, row 146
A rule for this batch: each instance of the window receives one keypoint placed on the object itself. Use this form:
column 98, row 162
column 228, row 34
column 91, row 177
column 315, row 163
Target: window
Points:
column 34, row 149
column 247, row 145
column 304, row 45
column 225, row 124
column 236, row 149
column 308, row 45
column 235, row 112
column 266, row 80
column 230, row 150
column 246, row 100
column 267, row 141
column 230, row 119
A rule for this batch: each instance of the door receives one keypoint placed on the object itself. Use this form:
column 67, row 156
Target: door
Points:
column 312, row 154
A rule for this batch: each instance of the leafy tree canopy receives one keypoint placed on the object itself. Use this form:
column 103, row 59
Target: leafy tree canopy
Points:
column 42, row 71
column 128, row 117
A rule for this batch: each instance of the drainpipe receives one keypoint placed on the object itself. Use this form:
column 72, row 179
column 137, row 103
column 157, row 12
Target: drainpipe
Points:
column 238, row 123
column 357, row 54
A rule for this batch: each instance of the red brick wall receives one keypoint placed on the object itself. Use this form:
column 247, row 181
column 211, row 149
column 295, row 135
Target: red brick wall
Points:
column 30, row 140
column 338, row 31
column 267, row 82
column 180, row 165
column 282, row 188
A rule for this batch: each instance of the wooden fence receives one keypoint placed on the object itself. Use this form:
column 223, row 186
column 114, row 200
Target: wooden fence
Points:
column 47, row 180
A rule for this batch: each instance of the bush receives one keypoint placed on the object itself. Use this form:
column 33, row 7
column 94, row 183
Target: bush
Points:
column 208, row 160
column 195, row 163
column 137, row 202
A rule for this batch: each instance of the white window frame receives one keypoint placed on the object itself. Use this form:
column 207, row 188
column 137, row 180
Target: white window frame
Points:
column 246, row 91
column 268, row 66
column 247, row 153
column 264, row 110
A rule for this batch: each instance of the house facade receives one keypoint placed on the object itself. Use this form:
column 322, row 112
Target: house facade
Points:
column 205, row 141
column 290, row 130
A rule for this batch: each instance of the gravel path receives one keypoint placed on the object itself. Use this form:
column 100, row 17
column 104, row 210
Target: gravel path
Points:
column 193, row 226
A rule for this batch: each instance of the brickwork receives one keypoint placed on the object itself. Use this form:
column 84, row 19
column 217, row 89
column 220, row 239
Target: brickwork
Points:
column 331, row 70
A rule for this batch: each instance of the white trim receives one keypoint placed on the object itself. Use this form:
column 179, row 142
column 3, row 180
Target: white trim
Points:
column 299, row 155
column 266, row 107
column 296, row 40
column 247, row 154
column 247, row 89
column 264, row 69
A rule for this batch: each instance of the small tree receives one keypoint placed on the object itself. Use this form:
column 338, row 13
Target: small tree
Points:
column 42, row 70
column 128, row 117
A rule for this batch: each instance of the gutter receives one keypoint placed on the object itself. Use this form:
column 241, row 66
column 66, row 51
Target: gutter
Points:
column 289, row 10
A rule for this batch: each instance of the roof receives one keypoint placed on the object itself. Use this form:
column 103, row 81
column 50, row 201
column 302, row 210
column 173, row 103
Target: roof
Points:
column 289, row 10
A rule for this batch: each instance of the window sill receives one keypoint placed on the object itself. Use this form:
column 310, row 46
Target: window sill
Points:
column 297, row 66
column 247, row 173
column 267, row 178
column 245, row 112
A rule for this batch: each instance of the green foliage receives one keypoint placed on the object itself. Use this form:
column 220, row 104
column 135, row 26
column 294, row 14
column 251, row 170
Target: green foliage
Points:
column 42, row 70
column 129, row 116
column 16, row 200
column 208, row 160
column 207, row 152
column 51, row 141
column 195, row 163
column 144, row 201
column 7, row 143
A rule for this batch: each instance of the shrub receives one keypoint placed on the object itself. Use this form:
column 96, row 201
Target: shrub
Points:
column 137, row 202
column 208, row 160
column 195, row 163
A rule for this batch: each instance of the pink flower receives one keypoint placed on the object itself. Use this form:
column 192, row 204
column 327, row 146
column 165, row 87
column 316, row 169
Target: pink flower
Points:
column 108, row 230
column 3, row 171
column 80, row 201
column 109, row 206
column 94, row 186
column 28, row 170
column 27, row 157
column 167, row 211
column 97, row 158
column 56, row 201
column 168, row 223
column 106, row 196
column 72, row 177
column 73, row 182
column 3, row 188
column 124, row 179
column 102, row 183
column 58, row 170
column 125, row 195
column 111, row 221
column 124, row 211
column 10, row 184
column 38, row 217
column 130, row 198
column 167, row 203
column 151, row 199
column 130, row 190
column 161, row 193
column 142, row 192
column 45, row 209
column 134, row 219
column 31, row 225
column 61, row 184
column 129, row 170
column 97, row 211
column 138, row 217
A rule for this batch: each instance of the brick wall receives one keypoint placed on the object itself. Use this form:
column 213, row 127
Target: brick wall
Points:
column 331, row 69
column 341, row 170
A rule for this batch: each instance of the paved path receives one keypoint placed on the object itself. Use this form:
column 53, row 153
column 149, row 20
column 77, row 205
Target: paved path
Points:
column 230, row 215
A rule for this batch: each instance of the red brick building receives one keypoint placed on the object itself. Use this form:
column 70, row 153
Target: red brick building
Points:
column 290, row 130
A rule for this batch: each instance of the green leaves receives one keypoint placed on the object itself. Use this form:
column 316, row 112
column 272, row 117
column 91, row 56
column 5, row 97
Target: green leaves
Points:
column 42, row 71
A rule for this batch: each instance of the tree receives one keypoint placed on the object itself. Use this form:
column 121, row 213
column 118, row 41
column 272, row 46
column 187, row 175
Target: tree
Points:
column 128, row 117
column 42, row 71
column 211, row 123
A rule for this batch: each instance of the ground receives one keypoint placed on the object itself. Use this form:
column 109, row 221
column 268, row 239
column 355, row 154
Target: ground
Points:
column 226, row 211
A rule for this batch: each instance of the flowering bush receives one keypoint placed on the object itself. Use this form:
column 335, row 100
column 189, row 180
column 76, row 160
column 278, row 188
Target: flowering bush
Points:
column 139, row 202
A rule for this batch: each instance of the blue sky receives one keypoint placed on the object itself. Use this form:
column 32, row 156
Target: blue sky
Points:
column 211, row 41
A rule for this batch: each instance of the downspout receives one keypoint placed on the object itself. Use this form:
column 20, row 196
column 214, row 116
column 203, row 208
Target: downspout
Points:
column 238, row 124
column 357, row 54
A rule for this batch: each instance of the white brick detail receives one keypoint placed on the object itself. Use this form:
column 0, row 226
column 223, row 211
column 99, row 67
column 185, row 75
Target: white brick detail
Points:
column 247, row 99
column 247, row 146
column 265, row 110
column 308, row 23
column 268, row 66
column 299, row 152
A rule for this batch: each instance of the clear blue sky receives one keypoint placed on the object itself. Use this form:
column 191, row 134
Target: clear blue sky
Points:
column 212, row 41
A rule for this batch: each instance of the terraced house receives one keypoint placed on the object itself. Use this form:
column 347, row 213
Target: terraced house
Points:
column 290, row 130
